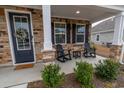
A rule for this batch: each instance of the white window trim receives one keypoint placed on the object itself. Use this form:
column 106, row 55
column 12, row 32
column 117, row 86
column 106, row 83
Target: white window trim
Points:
column 55, row 33
column 10, row 37
column 96, row 37
column 78, row 33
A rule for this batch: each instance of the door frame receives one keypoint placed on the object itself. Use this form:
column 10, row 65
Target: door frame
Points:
column 10, row 37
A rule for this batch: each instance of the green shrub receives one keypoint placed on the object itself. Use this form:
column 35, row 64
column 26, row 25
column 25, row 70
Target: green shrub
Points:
column 51, row 76
column 84, row 73
column 108, row 69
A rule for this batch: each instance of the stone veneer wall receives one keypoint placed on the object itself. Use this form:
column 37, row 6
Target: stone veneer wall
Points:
column 73, row 21
column 5, row 54
column 115, row 52
column 57, row 19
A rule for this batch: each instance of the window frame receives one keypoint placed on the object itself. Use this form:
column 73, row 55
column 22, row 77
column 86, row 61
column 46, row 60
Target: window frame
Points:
column 61, row 33
column 80, row 33
column 96, row 37
column 28, row 33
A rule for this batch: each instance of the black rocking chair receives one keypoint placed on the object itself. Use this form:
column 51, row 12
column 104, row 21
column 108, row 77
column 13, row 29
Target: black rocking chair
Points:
column 88, row 51
column 62, row 56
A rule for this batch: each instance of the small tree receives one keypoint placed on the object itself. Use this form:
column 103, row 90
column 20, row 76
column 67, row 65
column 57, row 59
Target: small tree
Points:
column 51, row 76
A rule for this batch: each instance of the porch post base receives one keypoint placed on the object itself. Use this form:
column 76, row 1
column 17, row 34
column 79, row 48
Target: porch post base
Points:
column 115, row 52
column 48, row 56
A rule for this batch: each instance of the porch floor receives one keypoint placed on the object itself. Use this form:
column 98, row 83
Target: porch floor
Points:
column 19, row 78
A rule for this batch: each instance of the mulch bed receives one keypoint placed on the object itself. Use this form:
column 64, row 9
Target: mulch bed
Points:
column 71, row 82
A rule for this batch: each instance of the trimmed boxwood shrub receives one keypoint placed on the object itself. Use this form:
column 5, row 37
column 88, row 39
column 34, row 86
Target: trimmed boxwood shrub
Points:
column 108, row 69
column 84, row 73
column 51, row 76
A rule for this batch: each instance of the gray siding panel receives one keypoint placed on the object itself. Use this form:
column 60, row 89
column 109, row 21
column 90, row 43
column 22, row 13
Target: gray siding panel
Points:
column 104, row 38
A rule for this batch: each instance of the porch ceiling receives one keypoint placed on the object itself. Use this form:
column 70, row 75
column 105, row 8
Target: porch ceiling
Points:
column 92, row 13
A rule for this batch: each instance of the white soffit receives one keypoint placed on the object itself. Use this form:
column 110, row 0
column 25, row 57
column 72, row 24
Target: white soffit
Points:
column 92, row 13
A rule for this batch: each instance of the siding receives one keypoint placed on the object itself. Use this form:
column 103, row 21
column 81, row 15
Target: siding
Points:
column 104, row 26
column 106, row 37
column 105, row 29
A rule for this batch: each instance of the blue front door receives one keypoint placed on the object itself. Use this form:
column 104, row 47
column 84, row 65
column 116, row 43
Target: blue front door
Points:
column 20, row 25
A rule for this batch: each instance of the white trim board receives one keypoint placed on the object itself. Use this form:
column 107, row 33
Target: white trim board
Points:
column 110, row 30
column 10, row 37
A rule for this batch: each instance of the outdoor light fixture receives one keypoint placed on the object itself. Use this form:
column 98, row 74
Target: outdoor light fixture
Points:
column 77, row 12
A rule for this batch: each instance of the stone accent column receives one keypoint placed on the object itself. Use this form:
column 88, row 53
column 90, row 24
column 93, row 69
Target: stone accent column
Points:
column 115, row 52
column 48, row 52
column 49, row 56
column 118, row 37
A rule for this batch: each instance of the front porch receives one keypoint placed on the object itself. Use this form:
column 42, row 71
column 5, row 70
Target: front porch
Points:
column 43, row 22
column 20, row 78
column 49, row 27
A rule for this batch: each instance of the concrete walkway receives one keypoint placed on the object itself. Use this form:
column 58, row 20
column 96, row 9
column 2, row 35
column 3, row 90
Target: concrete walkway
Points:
column 19, row 78
column 10, row 77
column 69, row 66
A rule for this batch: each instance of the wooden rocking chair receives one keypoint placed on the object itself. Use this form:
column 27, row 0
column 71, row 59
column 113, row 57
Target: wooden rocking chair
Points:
column 61, row 55
column 88, row 51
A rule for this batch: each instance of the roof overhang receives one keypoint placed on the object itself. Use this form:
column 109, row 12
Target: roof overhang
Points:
column 93, row 13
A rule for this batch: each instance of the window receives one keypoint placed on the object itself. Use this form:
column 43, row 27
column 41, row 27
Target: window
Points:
column 97, row 37
column 80, row 33
column 60, row 32
column 22, row 32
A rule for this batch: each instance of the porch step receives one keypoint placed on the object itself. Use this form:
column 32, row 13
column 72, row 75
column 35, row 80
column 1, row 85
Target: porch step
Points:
column 24, row 66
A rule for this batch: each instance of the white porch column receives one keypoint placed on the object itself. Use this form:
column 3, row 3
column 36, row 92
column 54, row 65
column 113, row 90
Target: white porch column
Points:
column 47, row 27
column 118, row 38
column 118, row 30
